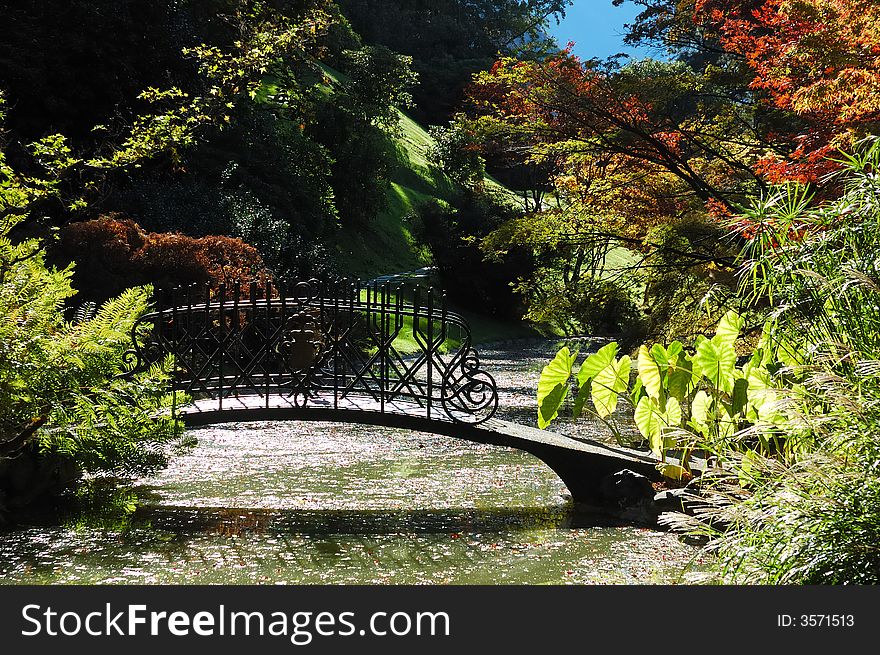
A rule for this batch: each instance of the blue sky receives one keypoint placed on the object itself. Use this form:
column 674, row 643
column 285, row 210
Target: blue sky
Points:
column 596, row 26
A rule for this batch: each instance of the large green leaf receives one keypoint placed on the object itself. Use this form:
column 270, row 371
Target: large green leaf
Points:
column 652, row 421
column 592, row 366
column 700, row 407
column 789, row 354
column 553, row 386
column 596, row 362
column 674, row 471
column 649, row 374
column 729, row 328
column 660, row 357
column 674, row 349
column 609, row 383
column 680, row 380
column 740, row 396
column 580, row 400
column 717, row 361
column 637, row 392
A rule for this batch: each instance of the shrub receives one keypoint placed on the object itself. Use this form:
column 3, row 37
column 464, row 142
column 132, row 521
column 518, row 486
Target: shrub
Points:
column 793, row 493
column 114, row 253
column 451, row 234
column 63, row 406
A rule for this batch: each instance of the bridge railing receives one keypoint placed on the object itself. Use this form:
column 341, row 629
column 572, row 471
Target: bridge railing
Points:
column 387, row 346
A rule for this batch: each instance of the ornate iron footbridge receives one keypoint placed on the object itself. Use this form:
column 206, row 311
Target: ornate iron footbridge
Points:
column 378, row 354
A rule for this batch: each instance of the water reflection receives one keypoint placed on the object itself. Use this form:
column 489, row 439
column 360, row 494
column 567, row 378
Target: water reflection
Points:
column 462, row 546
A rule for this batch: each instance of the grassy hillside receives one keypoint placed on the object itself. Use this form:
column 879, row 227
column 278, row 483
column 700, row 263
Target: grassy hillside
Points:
column 389, row 246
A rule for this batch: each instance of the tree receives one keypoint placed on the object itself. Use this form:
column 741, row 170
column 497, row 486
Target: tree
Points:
column 614, row 128
column 628, row 149
column 817, row 59
column 158, row 124
column 750, row 94
column 449, row 40
column 63, row 402
column 113, row 253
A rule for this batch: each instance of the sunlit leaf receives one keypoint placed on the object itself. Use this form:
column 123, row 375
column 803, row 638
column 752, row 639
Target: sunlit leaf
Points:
column 717, row 361
column 660, row 357
column 596, row 362
column 649, row 374
column 553, row 386
column 700, row 407
column 609, row 383
column 680, row 380
column 729, row 327
column 652, row 421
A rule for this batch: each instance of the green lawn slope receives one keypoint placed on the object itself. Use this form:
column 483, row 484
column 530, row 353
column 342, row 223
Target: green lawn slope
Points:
column 389, row 246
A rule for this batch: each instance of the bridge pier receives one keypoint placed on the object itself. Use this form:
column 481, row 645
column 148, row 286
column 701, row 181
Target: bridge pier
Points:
column 601, row 478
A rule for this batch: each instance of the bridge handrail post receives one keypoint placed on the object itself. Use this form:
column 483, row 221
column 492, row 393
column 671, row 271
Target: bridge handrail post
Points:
column 383, row 346
column 334, row 339
column 221, row 350
column 174, row 336
column 235, row 336
column 266, row 346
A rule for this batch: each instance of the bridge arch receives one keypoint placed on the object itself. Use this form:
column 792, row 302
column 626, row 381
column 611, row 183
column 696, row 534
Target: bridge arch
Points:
column 383, row 355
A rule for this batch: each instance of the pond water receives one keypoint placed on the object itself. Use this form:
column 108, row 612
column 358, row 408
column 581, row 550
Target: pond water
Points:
column 329, row 503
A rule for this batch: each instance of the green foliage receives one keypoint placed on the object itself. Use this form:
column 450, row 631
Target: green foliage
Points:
column 456, row 152
column 450, row 40
column 62, row 376
column 685, row 263
column 680, row 400
column 579, row 281
column 604, row 377
column 451, row 231
column 60, row 390
column 245, row 134
column 814, row 516
column 153, row 124
column 553, row 386
column 380, row 81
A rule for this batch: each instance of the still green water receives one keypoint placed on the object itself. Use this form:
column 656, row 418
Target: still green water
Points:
column 328, row 503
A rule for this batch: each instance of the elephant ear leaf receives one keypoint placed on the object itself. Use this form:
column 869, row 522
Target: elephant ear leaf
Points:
column 729, row 327
column 681, row 379
column 716, row 359
column 553, row 386
column 660, row 356
column 740, row 396
column 599, row 360
column 652, row 420
column 649, row 373
column 637, row 392
column 577, row 407
column 591, row 367
column 609, row 383
column 674, row 350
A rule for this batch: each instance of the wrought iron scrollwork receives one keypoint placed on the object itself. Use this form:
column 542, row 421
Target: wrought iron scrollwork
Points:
column 391, row 347
column 470, row 394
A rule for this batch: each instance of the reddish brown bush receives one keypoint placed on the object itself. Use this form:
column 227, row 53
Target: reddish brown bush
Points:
column 112, row 253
